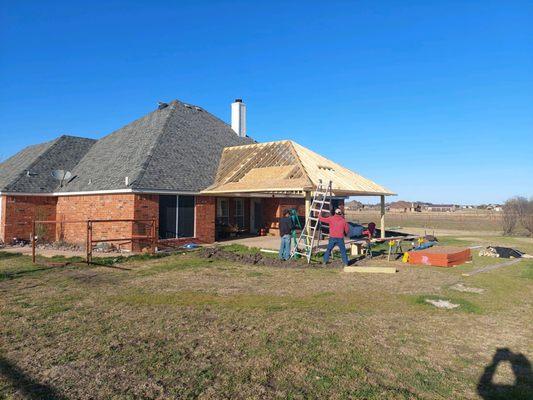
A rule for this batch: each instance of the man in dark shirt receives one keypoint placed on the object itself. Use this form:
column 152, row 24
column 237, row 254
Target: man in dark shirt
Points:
column 285, row 229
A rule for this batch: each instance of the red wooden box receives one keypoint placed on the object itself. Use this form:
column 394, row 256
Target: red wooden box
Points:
column 440, row 256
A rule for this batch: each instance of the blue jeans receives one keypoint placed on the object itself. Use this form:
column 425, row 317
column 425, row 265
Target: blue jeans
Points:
column 336, row 242
column 285, row 247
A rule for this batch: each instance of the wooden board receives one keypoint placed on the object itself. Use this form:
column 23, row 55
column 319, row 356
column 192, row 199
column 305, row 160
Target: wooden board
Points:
column 372, row 270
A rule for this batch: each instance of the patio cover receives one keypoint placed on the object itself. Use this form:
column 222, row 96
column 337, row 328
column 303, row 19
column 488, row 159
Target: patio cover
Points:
column 285, row 167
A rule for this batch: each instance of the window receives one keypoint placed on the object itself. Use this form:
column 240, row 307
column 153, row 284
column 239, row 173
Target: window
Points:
column 185, row 216
column 239, row 213
column 223, row 211
column 176, row 216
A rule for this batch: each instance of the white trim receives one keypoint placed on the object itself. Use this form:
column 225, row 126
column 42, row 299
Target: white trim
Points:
column 97, row 192
column 171, row 192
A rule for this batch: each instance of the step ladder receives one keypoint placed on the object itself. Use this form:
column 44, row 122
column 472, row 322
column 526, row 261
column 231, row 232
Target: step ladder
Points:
column 311, row 232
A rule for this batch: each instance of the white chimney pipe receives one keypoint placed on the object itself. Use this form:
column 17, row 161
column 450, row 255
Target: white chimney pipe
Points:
column 238, row 117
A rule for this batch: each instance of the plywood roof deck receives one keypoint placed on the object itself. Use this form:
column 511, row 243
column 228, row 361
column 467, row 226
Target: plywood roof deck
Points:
column 285, row 167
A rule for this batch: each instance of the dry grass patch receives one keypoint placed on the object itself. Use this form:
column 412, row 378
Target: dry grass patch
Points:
column 187, row 327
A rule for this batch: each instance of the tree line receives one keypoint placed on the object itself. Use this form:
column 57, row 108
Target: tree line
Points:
column 517, row 211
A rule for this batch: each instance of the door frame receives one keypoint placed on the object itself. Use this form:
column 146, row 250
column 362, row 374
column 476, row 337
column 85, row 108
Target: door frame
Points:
column 253, row 202
column 177, row 216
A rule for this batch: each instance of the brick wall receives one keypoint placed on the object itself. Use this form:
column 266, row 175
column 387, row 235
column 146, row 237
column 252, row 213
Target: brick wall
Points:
column 272, row 209
column 108, row 206
column 205, row 209
column 20, row 211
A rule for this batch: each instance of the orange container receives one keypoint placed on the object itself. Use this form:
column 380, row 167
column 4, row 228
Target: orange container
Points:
column 440, row 256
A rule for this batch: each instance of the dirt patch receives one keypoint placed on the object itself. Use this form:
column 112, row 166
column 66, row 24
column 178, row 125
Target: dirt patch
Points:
column 259, row 259
column 442, row 304
column 460, row 287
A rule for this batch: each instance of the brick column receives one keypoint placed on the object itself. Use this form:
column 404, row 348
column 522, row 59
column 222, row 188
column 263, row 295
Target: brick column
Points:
column 205, row 210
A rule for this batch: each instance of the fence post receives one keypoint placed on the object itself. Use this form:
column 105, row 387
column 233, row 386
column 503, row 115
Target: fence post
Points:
column 153, row 236
column 89, row 246
column 33, row 242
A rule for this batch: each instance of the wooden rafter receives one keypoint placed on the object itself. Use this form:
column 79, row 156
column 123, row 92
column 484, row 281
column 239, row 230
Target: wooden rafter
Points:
column 285, row 166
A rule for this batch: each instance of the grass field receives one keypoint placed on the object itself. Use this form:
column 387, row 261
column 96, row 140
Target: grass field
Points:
column 189, row 327
column 464, row 221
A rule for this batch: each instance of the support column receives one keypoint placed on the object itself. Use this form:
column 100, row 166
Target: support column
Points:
column 382, row 227
column 307, row 206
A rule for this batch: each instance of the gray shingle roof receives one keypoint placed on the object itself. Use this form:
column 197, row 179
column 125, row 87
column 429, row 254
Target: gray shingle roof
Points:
column 176, row 148
column 29, row 171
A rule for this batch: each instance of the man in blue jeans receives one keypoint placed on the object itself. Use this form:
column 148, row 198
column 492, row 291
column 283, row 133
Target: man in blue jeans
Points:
column 338, row 227
column 285, row 229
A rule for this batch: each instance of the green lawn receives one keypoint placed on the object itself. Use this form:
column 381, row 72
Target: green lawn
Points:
column 189, row 327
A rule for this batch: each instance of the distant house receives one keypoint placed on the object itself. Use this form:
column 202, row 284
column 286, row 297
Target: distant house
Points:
column 354, row 205
column 494, row 207
column 402, row 206
column 441, row 207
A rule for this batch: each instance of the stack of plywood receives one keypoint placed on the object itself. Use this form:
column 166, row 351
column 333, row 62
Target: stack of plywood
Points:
column 440, row 256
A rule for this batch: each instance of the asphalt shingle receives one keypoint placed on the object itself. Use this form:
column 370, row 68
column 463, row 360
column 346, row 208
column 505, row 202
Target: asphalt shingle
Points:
column 176, row 148
column 30, row 170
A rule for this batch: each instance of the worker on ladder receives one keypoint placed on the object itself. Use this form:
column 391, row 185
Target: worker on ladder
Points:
column 338, row 227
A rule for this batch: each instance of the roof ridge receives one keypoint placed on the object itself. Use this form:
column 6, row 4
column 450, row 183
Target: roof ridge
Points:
column 295, row 153
column 148, row 159
column 77, row 137
column 38, row 158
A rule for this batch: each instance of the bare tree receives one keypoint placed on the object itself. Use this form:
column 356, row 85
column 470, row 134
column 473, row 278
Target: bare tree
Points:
column 526, row 216
column 510, row 216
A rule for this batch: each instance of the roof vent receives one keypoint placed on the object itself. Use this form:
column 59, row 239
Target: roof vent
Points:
column 30, row 174
column 161, row 105
column 187, row 105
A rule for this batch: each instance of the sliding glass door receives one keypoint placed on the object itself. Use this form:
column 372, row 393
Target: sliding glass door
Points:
column 176, row 216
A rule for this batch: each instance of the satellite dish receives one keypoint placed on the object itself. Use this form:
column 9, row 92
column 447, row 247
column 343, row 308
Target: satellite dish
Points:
column 61, row 175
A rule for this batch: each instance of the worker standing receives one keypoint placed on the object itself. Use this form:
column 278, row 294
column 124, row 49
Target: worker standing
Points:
column 338, row 227
column 286, row 226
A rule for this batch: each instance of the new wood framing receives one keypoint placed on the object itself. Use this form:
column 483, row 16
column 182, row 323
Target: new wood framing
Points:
column 285, row 166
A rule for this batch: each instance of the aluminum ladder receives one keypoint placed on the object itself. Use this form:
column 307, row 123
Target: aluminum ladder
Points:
column 306, row 240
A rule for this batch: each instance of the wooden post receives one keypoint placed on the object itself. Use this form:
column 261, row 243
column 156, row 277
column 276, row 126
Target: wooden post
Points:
column 307, row 207
column 153, row 236
column 89, row 246
column 33, row 242
column 382, row 227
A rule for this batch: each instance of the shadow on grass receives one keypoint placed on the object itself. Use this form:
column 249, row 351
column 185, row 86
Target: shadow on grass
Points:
column 6, row 276
column 4, row 255
column 521, row 367
column 25, row 385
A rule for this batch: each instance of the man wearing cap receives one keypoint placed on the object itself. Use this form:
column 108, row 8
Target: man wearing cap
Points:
column 337, row 229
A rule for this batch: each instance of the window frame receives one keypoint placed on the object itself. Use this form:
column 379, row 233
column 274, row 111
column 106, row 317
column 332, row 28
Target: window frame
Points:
column 239, row 217
column 222, row 217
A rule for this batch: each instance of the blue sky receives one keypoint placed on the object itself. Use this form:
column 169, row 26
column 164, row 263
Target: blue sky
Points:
column 433, row 99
